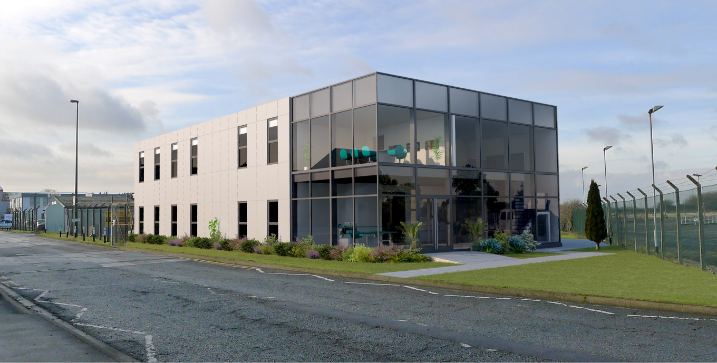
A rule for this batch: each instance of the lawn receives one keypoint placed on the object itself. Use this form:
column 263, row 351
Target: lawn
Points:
column 56, row 235
column 362, row 267
column 570, row 235
column 623, row 274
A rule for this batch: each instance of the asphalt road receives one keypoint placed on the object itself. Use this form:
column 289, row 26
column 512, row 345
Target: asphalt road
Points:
column 157, row 308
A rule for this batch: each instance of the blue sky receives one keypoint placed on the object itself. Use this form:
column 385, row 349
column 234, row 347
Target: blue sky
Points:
column 142, row 68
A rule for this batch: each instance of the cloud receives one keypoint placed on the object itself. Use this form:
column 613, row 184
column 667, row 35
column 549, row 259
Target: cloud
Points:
column 85, row 149
column 238, row 16
column 675, row 139
column 354, row 64
column 606, row 135
column 18, row 150
column 639, row 121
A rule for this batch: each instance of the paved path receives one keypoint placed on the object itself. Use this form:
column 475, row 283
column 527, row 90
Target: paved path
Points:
column 193, row 311
column 472, row 260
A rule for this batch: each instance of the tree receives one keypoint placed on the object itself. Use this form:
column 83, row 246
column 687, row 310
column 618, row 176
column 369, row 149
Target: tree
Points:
column 566, row 213
column 595, row 218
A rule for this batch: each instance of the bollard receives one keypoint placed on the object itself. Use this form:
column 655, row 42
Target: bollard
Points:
column 93, row 237
column 83, row 236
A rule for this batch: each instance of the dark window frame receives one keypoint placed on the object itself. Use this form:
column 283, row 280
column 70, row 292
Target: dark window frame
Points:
column 269, row 223
column 141, row 166
column 141, row 220
column 193, row 219
column 157, row 162
column 173, row 213
column 156, row 220
column 193, row 156
column 240, row 147
column 269, row 141
column 174, row 155
column 245, row 223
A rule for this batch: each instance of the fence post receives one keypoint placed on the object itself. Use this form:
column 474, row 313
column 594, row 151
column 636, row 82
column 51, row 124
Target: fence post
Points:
column 662, row 222
column 624, row 219
column 677, row 208
column 699, row 219
column 617, row 221
column 609, row 216
column 647, row 236
column 634, row 219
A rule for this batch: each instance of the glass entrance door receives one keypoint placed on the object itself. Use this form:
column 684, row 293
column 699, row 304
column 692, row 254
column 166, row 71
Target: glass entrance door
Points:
column 434, row 213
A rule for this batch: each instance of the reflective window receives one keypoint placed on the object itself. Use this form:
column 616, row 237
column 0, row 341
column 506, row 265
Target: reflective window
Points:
column 493, row 107
column 395, row 131
column 243, row 219
column 466, row 182
column 343, row 221
column 320, row 142
column 320, row 221
column 524, row 214
column 497, row 215
column 156, row 163
column 320, row 184
column 302, row 218
column 272, row 141
column 433, row 181
column 395, row 210
column 464, row 102
column 546, row 185
column 522, row 185
column 521, row 147
column 365, row 135
column 364, row 91
column 302, row 145
column 320, row 102
column 242, row 147
column 174, row 161
column 431, row 138
column 366, row 227
column 396, row 180
column 193, row 217
column 544, row 115
column 466, row 142
column 546, row 150
column 465, row 209
column 520, row 111
column 341, row 139
column 141, row 167
column 343, row 182
column 301, row 186
column 273, row 220
column 365, row 181
column 194, row 162
column 495, row 184
column 341, row 97
column 548, row 220
column 431, row 96
column 394, row 90
column 494, row 144
column 301, row 107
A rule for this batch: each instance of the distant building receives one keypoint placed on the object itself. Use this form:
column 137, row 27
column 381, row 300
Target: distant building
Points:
column 4, row 203
column 92, row 212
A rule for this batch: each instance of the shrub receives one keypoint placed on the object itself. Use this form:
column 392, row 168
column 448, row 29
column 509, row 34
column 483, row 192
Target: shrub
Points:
column 410, row 232
column 283, row 248
column 266, row 249
column 224, row 244
column 312, row 254
column 271, row 240
column 190, row 242
column 217, row 246
column 257, row 249
column 529, row 241
column 490, row 245
column 132, row 237
column 155, row 239
column 337, row 253
column 141, row 238
column 358, row 253
column 503, row 239
column 474, row 229
column 203, row 242
column 383, row 254
column 516, row 244
column 325, row 251
column 299, row 250
column 235, row 244
column 248, row 245
column 176, row 243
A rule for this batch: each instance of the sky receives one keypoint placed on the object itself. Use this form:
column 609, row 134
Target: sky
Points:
column 144, row 68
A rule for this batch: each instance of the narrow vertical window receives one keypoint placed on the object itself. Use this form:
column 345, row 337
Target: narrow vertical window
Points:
column 242, row 157
column 156, row 219
column 273, row 142
column 174, row 220
column 194, row 161
column 156, row 164
column 174, row 160
column 273, row 217
column 141, row 220
column 141, row 167
column 242, row 219
column 193, row 220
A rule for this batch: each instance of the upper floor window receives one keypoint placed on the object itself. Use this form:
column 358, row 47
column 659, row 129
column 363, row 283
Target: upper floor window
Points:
column 156, row 164
column 174, row 160
column 141, row 166
column 273, row 142
column 242, row 146
column 194, row 159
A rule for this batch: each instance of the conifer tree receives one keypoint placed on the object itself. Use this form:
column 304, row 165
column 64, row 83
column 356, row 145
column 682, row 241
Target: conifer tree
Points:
column 595, row 217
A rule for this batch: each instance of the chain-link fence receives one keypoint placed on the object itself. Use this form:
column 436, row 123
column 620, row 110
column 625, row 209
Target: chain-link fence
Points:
column 678, row 223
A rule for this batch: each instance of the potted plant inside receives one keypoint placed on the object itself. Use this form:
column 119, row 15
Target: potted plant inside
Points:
column 437, row 152
column 307, row 155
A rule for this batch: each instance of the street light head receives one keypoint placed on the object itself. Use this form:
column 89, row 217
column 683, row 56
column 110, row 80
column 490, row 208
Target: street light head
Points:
column 654, row 109
column 607, row 148
column 697, row 175
column 74, row 101
column 585, row 167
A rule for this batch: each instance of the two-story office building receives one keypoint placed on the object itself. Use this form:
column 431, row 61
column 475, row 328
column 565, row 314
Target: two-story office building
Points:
column 347, row 163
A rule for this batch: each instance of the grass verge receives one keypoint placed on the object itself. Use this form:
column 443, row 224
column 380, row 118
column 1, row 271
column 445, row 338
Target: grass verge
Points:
column 623, row 274
column 571, row 235
column 363, row 267
column 531, row 254
column 56, row 235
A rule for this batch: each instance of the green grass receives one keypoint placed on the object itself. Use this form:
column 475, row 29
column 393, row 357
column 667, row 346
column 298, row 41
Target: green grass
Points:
column 531, row 254
column 363, row 267
column 570, row 235
column 623, row 274
column 56, row 235
column 16, row 231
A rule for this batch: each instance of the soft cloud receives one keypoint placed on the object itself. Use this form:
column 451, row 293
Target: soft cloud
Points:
column 675, row 140
column 238, row 16
column 639, row 121
column 85, row 149
column 606, row 135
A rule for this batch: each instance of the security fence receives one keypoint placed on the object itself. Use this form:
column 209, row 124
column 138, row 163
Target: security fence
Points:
column 685, row 212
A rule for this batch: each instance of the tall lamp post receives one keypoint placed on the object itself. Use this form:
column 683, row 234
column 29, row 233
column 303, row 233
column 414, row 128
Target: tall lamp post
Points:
column 77, row 133
column 582, row 172
column 604, row 159
column 654, row 193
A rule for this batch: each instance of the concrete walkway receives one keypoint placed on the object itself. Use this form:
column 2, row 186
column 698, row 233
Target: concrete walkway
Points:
column 472, row 260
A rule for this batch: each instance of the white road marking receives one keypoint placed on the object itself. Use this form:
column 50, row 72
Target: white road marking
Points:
column 669, row 317
column 41, row 295
column 149, row 346
column 597, row 311
column 111, row 328
column 491, row 350
column 79, row 315
column 464, row 345
column 368, row 283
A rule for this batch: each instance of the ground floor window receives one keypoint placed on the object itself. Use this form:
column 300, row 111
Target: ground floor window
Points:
column 141, row 220
column 243, row 219
column 174, row 221
column 156, row 219
column 193, row 220
column 273, row 214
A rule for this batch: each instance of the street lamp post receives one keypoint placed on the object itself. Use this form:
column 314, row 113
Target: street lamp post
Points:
column 604, row 159
column 582, row 172
column 77, row 133
column 654, row 193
